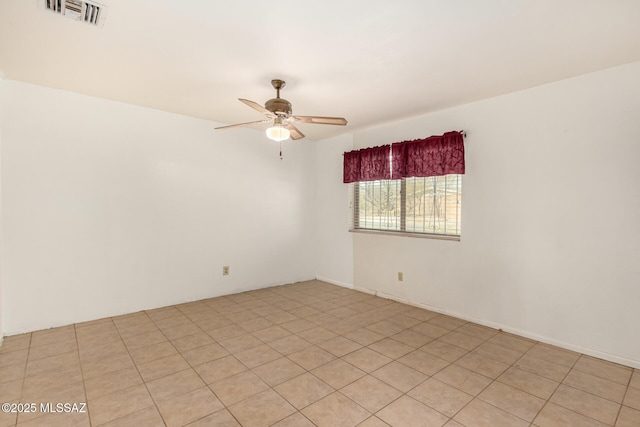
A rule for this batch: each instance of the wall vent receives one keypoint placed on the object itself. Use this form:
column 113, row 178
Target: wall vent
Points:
column 78, row 10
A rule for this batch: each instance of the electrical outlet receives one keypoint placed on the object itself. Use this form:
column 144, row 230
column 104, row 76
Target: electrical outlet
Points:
column 225, row 270
column 400, row 276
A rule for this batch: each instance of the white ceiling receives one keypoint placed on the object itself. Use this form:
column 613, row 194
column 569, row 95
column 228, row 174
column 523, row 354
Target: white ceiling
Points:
column 370, row 61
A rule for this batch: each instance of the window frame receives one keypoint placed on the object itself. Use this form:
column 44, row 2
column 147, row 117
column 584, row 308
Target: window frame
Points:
column 355, row 216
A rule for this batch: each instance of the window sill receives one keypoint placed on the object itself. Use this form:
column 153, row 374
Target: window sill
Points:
column 406, row 234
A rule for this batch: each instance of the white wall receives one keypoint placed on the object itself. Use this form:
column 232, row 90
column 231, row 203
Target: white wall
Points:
column 550, row 243
column 111, row 208
column 333, row 242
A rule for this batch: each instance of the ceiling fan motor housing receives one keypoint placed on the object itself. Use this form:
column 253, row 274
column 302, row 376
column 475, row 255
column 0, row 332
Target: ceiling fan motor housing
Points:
column 279, row 106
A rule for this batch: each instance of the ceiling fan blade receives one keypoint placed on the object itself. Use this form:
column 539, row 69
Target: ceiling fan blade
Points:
column 257, row 107
column 295, row 132
column 244, row 124
column 339, row 121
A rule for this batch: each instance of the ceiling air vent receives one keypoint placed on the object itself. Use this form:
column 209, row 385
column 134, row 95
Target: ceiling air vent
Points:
column 78, row 10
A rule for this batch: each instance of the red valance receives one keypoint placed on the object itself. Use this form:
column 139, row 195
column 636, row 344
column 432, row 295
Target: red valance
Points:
column 433, row 156
column 368, row 164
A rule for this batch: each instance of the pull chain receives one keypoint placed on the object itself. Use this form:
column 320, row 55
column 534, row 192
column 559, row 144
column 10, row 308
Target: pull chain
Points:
column 280, row 150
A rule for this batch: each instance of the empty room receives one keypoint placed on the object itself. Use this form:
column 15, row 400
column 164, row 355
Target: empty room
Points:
column 333, row 214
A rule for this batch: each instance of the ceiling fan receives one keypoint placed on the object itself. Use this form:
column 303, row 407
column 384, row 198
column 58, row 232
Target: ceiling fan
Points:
column 278, row 110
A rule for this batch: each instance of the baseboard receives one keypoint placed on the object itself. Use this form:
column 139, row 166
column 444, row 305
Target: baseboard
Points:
column 335, row 282
column 506, row 328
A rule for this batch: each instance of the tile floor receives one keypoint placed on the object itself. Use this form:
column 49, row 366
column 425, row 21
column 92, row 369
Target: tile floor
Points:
column 302, row 355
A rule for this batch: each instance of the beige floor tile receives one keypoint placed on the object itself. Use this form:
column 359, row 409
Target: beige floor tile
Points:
column 281, row 317
column 238, row 387
column 112, row 382
column 541, row 367
column 304, row 390
column 529, row 382
column 412, row 339
column 453, row 423
column 53, row 349
column 430, row 330
column 10, row 391
column 200, row 355
column 256, row 324
column 262, row 409
column 226, row 332
column 447, row 322
column 335, row 410
column 162, row 367
column 423, row 362
column 257, row 356
column 628, row 417
column 15, row 343
column 144, row 340
column 512, row 342
column 371, row 393
column 68, row 393
column 165, row 388
column 278, row 371
column 290, row 344
column 408, row 412
column 440, row 396
column 603, row 369
column 373, row 421
column 213, row 322
column 587, row 404
column 386, row 328
column 49, row 364
column 478, row 331
column 221, row 418
column 47, row 383
column 339, row 346
column 240, row 343
column 102, row 349
column 316, row 335
column 482, row 365
column 148, row 417
column 271, row 333
column 59, row 419
column 192, row 341
column 443, row 350
column 599, row 386
column 463, row 379
column 189, row 407
column 554, row 354
column 635, row 379
column 338, row 373
column 497, row 353
column 481, row 414
column 12, row 372
column 512, row 400
column 391, row 348
column 220, row 369
column 52, row 336
column 311, row 357
column 298, row 325
column 364, row 336
column 632, row 398
column 553, row 415
column 399, row 376
column 119, row 404
column 295, row 420
column 461, row 340
column 153, row 352
column 181, row 331
column 367, row 359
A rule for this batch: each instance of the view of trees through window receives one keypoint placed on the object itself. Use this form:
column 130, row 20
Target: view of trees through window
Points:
column 414, row 205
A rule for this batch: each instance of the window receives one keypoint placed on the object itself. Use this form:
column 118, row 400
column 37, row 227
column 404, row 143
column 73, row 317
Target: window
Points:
column 418, row 206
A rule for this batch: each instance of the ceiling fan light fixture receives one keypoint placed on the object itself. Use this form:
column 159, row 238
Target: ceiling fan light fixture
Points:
column 278, row 133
